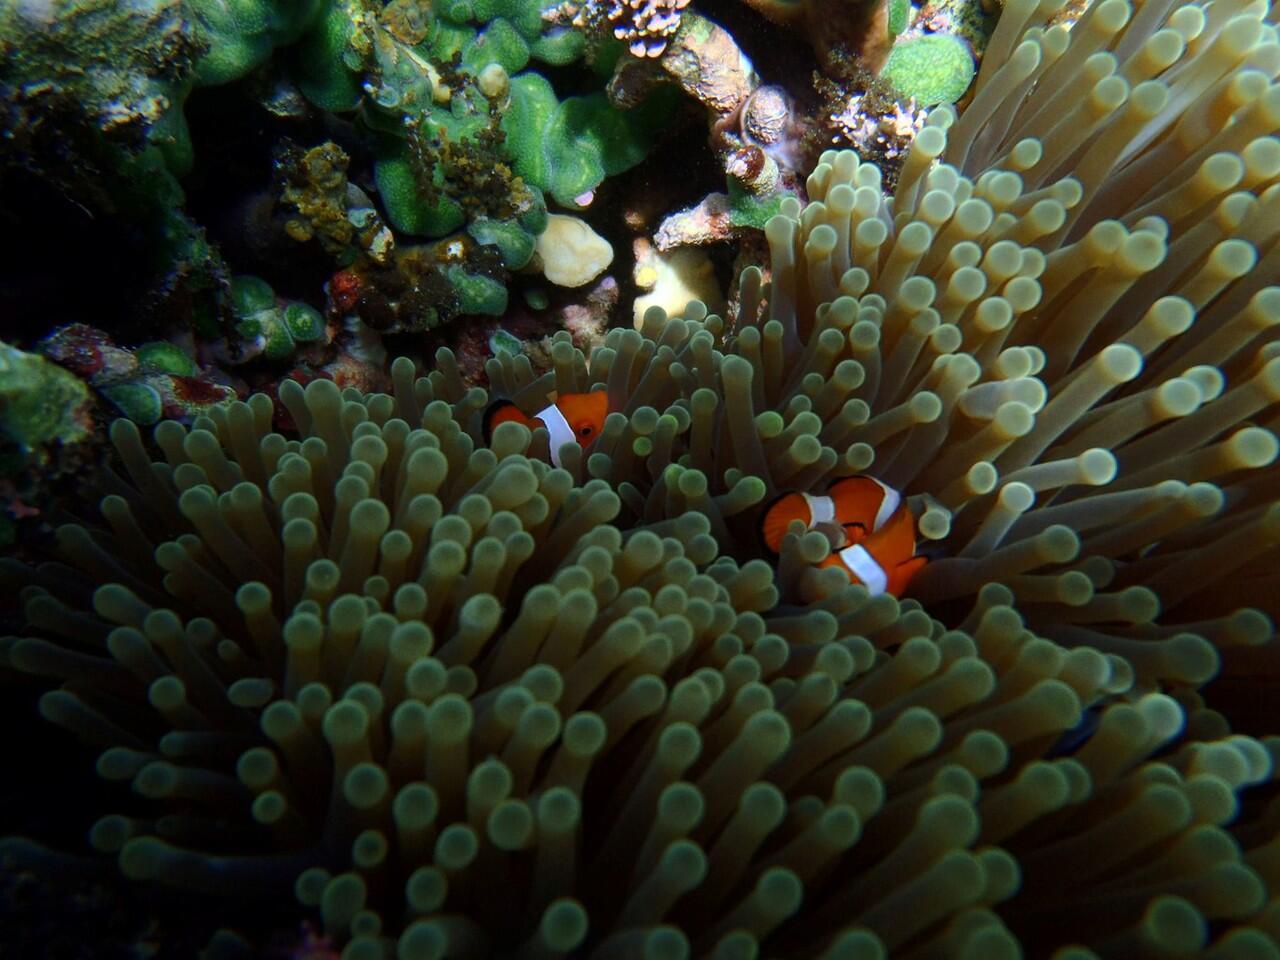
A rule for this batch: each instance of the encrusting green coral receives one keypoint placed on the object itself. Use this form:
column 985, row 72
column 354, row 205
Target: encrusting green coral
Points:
column 474, row 109
column 467, row 704
column 931, row 69
column 40, row 403
column 270, row 328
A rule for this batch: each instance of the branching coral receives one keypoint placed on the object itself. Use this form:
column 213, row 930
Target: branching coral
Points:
column 474, row 705
column 326, row 207
column 643, row 25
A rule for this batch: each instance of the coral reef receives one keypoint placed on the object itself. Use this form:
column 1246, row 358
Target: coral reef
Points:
column 645, row 26
column 474, row 110
column 883, row 37
column 88, row 87
column 884, row 64
column 41, row 405
column 269, row 328
column 46, row 425
column 87, row 96
column 755, row 130
column 427, row 285
column 462, row 703
column 836, row 30
column 865, row 116
column 531, row 329
column 329, row 208
column 448, row 133
column 153, row 381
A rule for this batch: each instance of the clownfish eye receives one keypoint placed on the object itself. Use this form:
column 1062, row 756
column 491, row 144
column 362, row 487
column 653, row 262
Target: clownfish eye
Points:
column 586, row 430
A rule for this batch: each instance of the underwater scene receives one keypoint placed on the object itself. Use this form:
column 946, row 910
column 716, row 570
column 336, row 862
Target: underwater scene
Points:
column 640, row 479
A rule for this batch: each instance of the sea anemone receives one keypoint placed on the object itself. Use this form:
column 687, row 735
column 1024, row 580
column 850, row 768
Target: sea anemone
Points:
column 471, row 705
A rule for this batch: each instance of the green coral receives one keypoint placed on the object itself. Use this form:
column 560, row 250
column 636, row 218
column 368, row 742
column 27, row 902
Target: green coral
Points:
column 303, row 321
column 164, row 357
column 933, row 68
column 899, row 15
column 513, row 241
column 565, row 147
column 747, row 209
column 242, row 33
column 250, row 294
column 137, row 400
column 568, row 147
column 403, row 197
column 477, row 293
column 503, row 340
column 40, row 402
column 267, row 327
column 324, row 56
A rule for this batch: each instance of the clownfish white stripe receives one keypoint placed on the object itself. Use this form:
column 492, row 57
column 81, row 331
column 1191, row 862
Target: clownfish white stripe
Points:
column 559, row 429
column 865, row 568
column 888, row 505
column 821, row 510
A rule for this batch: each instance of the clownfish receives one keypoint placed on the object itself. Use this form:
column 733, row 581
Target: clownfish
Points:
column 879, row 531
column 574, row 417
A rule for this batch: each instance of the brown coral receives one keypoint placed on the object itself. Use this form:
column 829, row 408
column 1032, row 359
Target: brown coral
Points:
column 835, row 30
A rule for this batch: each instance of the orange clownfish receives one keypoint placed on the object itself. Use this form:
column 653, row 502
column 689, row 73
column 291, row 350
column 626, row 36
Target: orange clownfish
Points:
column 574, row 417
column 879, row 531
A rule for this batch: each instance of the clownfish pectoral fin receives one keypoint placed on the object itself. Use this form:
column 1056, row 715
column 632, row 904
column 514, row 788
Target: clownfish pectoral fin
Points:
column 500, row 411
column 900, row 576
